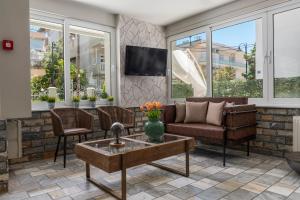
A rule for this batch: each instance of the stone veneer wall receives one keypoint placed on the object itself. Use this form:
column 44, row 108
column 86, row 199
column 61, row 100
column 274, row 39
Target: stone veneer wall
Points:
column 39, row 141
column 136, row 90
column 3, row 158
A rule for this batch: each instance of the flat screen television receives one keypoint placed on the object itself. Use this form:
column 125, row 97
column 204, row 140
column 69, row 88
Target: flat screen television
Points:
column 143, row 61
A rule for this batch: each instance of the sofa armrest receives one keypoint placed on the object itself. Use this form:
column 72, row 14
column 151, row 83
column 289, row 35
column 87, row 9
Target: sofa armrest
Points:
column 169, row 114
column 240, row 116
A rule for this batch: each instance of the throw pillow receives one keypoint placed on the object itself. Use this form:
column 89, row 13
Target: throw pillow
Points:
column 180, row 112
column 215, row 113
column 195, row 112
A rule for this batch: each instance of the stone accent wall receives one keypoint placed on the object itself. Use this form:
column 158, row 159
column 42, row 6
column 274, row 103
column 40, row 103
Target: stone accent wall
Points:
column 136, row 90
column 274, row 131
column 3, row 158
column 39, row 141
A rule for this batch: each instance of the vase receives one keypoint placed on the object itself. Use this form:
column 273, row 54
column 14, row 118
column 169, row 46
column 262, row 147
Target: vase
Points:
column 51, row 105
column 76, row 104
column 154, row 129
column 93, row 104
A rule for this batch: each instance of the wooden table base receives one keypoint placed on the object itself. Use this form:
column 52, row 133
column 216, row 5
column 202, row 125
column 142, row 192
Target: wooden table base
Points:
column 122, row 195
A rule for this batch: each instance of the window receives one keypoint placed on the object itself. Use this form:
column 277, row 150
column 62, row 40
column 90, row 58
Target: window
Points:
column 189, row 71
column 70, row 58
column 286, row 54
column 89, row 57
column 238, row 60
column 46, row 56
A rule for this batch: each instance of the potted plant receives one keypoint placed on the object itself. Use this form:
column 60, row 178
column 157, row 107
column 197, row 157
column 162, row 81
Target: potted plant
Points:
column 110, row 100
column 104, row 94
column 84, row 97
column 92, row 100
column 76, row 100
column 51, row 102
column 154, row 128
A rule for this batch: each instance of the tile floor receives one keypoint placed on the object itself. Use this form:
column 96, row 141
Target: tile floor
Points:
column 256, row 177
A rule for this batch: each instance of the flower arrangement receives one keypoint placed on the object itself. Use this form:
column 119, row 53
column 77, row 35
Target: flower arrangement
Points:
column 152, row 110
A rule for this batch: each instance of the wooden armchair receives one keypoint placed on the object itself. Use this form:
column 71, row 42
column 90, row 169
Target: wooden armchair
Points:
column 110, row 114
column 70, row 122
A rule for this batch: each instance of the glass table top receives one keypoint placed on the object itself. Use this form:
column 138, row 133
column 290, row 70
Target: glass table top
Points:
column 128, row 143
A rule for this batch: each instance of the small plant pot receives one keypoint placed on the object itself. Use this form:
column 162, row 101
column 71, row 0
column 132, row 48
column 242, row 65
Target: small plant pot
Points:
column 111, row 103
column 51, row 105
column 93, row 104
column 76, row 104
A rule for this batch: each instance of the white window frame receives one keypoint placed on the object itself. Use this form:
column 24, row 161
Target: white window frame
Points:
column 266, row 15
column 169, row 63
column 110, row 78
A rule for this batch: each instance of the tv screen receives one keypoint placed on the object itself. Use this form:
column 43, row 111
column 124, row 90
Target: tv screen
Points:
column 143, row 61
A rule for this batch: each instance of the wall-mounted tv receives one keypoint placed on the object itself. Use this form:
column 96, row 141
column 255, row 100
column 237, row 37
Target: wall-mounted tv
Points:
column 143, row 61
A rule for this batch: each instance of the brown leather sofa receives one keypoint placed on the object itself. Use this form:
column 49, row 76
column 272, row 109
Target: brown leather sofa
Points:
column 238, row 124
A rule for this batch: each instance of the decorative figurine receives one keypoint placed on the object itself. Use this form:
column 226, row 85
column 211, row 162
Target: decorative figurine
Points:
column 117, row 129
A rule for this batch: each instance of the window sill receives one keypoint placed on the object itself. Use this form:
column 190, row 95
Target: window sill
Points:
column 43, row 107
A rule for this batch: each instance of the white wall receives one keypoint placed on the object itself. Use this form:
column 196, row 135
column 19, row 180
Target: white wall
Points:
column 15, row 99
column 229, row 11
column 75, row 10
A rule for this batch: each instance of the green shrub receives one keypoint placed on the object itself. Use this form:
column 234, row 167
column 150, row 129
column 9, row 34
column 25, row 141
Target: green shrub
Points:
column 51, row 99
column 76, row 99
column 93, row 98
column 110, row 98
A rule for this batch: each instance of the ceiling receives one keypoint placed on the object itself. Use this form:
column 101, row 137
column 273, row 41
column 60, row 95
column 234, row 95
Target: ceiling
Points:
column 161, row 12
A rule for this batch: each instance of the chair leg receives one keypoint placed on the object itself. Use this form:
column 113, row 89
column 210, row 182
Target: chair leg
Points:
column 57, row 148
column 224, row 152
column 79, row 137
column 128, row 131
column 85, row 137
column 248, row 148
column 65, row 150
column 105, row 134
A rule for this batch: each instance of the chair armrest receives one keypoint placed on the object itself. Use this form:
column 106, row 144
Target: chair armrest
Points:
column 169, row 114
column 240, row 116
column 85, row 119
column 104, row 119
column 57, row 124
column 126, row 116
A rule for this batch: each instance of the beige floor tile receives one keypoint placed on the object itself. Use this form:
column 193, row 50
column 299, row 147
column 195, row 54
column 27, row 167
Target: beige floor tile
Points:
column 229, row 185
column 255, row 187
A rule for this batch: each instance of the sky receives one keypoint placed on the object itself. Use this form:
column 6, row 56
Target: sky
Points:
column 235, row 35
column 231, row 36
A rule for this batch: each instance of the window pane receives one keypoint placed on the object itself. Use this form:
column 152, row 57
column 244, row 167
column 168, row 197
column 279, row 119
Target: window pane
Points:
column 237, row 60
column 189, row 59
column 89, row 59
column 286, row 54
column 46, row 58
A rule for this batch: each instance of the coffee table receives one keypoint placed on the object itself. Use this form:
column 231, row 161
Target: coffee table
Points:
column 137, row 151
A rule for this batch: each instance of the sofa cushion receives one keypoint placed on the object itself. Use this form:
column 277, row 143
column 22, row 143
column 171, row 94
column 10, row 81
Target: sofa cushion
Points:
column 195, row 112
column 215, row 113
column 195, row 130
column 180, row 112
